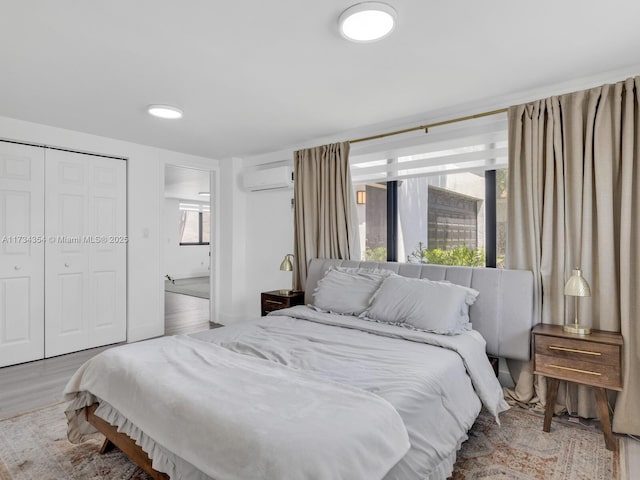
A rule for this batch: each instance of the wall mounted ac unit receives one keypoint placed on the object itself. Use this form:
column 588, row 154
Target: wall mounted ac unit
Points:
column 273, row 178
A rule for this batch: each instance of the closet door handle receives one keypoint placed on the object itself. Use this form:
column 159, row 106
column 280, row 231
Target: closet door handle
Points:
column 17, row 267
column 66, row 265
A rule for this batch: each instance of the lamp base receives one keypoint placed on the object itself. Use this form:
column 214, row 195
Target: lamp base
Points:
column 285, row 292
column 576, row 329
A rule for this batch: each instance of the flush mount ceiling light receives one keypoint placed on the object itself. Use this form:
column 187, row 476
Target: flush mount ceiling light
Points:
column 367, row 22
column 164, row 111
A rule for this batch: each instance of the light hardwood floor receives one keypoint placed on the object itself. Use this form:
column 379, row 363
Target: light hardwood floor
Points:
column 184, row 313
column 33, row 385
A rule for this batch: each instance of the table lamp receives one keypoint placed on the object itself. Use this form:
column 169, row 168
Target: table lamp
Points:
column 286, row 266
column 576, row 287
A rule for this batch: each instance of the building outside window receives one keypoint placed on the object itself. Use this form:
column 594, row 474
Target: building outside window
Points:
column 450, row 198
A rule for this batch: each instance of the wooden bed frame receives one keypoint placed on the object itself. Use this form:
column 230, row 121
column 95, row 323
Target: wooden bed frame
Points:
column 126, row 444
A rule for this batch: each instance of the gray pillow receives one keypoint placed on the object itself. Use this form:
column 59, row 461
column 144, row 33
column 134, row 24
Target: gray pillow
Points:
column 437, row 307
column 470, row 299
column 347, row 291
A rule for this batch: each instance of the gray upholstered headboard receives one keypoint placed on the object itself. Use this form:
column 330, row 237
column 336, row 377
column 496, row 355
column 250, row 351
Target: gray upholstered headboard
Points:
column 503, row 312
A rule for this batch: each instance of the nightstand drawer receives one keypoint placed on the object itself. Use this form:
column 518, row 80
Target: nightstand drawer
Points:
column 269, row 305
column 276, row 300
column 578, row 350
column 587, row 372
column 594, row 360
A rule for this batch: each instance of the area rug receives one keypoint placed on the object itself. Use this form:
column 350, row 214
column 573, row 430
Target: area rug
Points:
column 520, row 450
column 34, row 446
column 196, row 287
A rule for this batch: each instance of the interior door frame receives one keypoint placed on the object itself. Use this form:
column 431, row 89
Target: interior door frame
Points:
column 214, row 222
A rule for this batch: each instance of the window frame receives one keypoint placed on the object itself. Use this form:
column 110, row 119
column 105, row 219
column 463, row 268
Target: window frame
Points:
column 490, row 219
column 200, row 234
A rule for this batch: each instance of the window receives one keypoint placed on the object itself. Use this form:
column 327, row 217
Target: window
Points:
column 502, row 177
column 372, row 221
column 445, row 196
column 442, row 219
column 194, row 224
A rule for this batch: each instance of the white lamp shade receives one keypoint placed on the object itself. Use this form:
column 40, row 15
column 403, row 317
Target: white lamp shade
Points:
column 577, row 286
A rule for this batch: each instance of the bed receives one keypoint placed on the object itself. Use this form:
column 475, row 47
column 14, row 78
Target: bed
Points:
column 314, row 391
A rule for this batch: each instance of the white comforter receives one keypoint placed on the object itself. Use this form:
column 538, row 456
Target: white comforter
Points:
column 238, row 417
column 434, row 382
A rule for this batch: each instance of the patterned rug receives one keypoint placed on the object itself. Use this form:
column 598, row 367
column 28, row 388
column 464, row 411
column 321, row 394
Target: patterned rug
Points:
column 520, row 450
column 34, row 446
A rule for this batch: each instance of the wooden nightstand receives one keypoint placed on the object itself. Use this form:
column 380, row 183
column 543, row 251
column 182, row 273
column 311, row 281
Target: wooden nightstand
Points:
column 275, row 300
column 594, row 360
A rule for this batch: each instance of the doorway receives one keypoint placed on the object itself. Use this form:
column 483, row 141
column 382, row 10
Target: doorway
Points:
column 188, row 236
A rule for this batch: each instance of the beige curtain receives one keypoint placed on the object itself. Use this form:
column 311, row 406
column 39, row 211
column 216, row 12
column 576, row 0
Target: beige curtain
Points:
column 324, row 207
column 182, row 224
column 574, row 201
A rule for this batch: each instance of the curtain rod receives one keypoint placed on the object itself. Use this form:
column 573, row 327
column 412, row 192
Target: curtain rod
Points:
column 430, row 125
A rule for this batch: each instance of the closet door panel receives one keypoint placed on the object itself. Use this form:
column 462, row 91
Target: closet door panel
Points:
column 108, row 251
column 71, row 311
column 66, row 266
column 86, row 267
column 17, row 304
column 21, row 253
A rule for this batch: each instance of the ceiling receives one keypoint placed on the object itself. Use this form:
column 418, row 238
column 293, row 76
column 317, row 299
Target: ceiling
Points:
column 255, row 76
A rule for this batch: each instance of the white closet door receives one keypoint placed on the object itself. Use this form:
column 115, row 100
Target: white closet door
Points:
column 85, row 268
column 21, row 253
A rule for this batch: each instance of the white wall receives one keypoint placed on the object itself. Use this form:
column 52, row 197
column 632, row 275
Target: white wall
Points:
column 181, row 261
column 256, row 233
column 145, row 185
column 271, row 232
column 232, row 265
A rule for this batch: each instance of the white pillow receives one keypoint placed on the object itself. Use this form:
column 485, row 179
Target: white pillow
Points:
column 347, row 291
column 437, row 307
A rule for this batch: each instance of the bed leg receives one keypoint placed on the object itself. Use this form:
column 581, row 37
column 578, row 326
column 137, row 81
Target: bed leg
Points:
column 107, row 446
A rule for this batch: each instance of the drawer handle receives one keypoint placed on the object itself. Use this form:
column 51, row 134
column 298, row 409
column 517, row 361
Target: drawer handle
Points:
column 574, row 369
column 565, row 349
column 273, row 301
